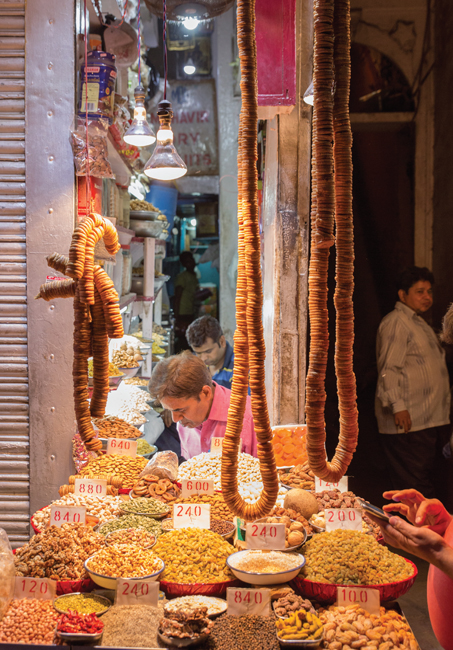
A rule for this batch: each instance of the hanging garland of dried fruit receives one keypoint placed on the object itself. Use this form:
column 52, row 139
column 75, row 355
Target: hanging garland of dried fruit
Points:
column 249, row 349
column 96, row 317
column 331, row 195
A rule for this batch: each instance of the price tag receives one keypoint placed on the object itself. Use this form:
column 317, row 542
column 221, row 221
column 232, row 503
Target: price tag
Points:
column 192, row 515
column 341, row 485
column 92, row 487
column 37, row 588
column 121, row 447
column 267, row 536
column 369, row 599
column 216, row 446
column 242, row 602
column 130, row 591
column 344, row 518
column 191, row 486
column 60, row 515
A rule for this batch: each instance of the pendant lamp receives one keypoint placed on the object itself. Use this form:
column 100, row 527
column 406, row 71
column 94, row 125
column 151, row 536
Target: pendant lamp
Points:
column 165, row 164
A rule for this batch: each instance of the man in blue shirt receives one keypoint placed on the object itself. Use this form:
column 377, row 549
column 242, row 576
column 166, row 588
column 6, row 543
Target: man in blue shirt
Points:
column 208, row 342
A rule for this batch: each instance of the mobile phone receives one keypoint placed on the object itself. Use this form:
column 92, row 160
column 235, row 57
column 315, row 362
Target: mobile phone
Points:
column 374, row 510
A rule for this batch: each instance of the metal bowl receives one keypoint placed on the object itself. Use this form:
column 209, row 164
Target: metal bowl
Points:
column 107, row 601
column 148, row 228
column 130, row 372
column 145, row 215
column 255, row 578
column 83, row 638
column 109, row 582
column 300, row 643
column 173, row 641
column 164, row 515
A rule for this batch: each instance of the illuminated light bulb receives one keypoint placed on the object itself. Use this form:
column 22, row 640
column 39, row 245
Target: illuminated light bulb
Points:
column 193, row 222
column 191, row 23
column 165, row 164
column 140, row 133
column 309, row 95
column 189, row 67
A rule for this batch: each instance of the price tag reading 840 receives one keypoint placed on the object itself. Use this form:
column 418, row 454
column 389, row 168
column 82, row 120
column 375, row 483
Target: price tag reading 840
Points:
column 369, row 599
column 92, row 487
column 122, row 447
column 243, row 602
column 267, row 536
column 321, row 485
column 60, row 515
column 130, row 591
column 344, row 518
column 36, row 588
column 216, row 446
column 192, row 515
column 191, row 486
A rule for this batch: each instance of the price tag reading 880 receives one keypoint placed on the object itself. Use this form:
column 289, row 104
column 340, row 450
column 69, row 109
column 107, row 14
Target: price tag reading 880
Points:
column 92, row 487
column 193, row 515
column 344, row 518
column 369, row 599
column 321, row 485
column 130, row 591
column 216, row 446
column 191, row 486
column 35, row 588
column 267, row 536
column 122, row 447
column 242, row 602
column 60, row 515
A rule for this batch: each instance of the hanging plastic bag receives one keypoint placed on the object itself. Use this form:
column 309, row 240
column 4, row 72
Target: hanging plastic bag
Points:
column 164, row 465
column 7, row 573
column 98, row 164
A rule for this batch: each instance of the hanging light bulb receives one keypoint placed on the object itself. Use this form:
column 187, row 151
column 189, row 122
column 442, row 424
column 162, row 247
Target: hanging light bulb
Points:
column 309, row 94
column 165, row 164
column 191, row 23
column 189, row 67
column 140, row 133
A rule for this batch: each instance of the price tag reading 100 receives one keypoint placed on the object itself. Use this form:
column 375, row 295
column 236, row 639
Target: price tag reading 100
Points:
column 60, row 515
column 266, row 536
column 35, row 588
column 122, row 447
column 369, row 599
column 96, row 487
column 242, row 602
column 130, row 591
column 321, row 485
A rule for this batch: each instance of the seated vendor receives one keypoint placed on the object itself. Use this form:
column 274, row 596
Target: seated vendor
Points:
column 183, row 384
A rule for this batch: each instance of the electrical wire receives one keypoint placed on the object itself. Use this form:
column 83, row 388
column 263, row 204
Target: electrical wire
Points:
column 87, row 160
column 139, row 42
column 165, row 47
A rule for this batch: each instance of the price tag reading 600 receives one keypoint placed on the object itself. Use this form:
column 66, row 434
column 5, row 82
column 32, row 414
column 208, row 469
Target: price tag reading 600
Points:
column 122, row 447
column 192, row 515
column 242, row 602
column 369, row 599
column 267, row 536
column 130, row 591
column 60, row 515
column 191, row 486
column 36, row 588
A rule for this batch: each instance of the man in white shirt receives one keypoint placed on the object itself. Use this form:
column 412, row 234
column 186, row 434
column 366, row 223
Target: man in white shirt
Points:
column 413, row 393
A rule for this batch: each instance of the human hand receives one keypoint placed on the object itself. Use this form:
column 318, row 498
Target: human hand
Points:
column 403, row 420
column 419, row 510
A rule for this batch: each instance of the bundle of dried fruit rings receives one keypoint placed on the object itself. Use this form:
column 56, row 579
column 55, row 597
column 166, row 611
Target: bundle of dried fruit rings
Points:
column 158, row 488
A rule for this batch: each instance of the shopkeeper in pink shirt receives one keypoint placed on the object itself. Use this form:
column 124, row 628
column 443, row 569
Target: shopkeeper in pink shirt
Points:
column 199, row 406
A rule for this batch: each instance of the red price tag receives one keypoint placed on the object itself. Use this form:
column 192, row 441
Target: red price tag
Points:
column 267, row 536
column 60, row 515
column 192, row 515
column 344, row 518
column 242, row 602
column 216, row 446
column 191, row 486
column 321, row 485
column 121, row 447
column 369, row 599
column 36, row 588
column 91, row 487
column 131, row 591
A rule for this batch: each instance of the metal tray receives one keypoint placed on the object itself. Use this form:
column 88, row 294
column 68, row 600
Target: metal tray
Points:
column 148, row 228
column 144, row 215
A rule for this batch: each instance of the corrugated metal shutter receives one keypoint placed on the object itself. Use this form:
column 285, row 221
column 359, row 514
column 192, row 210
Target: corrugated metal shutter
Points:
column 14, row 432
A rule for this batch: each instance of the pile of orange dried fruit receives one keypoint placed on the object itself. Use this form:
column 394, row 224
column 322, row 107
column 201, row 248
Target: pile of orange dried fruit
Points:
column 290, row 445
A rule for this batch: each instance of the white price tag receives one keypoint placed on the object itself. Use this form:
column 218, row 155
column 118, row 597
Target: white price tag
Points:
column 341, row 485
column 121, row 447
column 267, row 536
column 344, row 518
column 60, row 515
column 242, row 602
column 369, row 599
column 132, row 591
column 191, row 486
column 36, row 588
column 216, row 446
column 192, row 515
column 91, row 487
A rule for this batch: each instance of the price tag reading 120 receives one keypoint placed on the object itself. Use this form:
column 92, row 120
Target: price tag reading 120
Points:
column 216, row 446
column 344, row 518
column 93, row 487
column 191, row 486
column 369, row 599
column 267, row 536
column 243, row 602
column 60, row 515
column 192, row 515
column 122, row 447
column 36, row 588
column 321, row 485
column 130, row 591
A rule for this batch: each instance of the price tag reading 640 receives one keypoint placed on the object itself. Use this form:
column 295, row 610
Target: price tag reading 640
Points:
column 130, row 591
column 60, row 515
column 36, row 588
column 267, row 536
column 191, row 486
column 242, row 602
column 122, row 447
column 369, row 599
column 192, row 515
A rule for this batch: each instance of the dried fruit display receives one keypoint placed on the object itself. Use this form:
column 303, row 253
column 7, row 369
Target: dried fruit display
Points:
column 290, row 445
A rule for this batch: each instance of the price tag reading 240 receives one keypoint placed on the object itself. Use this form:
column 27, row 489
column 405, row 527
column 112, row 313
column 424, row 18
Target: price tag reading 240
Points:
column 122, row 447
column 191, row 486
column 243, row 602
column 216, row 446
column 321, row 485
column 96, row 487
column 344, row 518
column 36, row 588
column 369, row 599
column 60, row 515
column 267, row 536
column 192, row 515
column 130, row 591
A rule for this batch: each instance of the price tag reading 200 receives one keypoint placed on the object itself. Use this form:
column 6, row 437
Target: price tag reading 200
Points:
column 369, row 599
column 344, row 518
column 92, row 487
column 130, row 591
column 267, row 536
column 122, row 447
column 321, row 485
column 35, row 588
column 60, row 515
column 191, row 486
column 192, row 515
column 242, row 602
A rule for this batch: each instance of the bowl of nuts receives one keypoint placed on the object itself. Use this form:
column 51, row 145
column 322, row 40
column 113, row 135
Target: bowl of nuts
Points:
column 295, row 533
column 138, row 536
column 123, row 561
column 130, row 372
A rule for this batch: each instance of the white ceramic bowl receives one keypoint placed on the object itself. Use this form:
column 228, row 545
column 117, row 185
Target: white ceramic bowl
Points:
column 109, row 582
column 263, row 578
column 130, row 372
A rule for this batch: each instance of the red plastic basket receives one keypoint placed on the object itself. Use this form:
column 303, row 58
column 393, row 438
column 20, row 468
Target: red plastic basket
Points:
column 327, row 593
column 175, row 589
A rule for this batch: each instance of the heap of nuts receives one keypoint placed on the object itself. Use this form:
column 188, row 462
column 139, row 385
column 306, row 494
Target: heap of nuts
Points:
column 294, row 516
column 29, row 621
column 127, row 356
column 337, row 499
column 112, row 427
column 158, row 488
column 294, row 530
column 290, row 603
column 300, row 476
column 125, row 561
column 104, row 508
column 124, row 468
column 219, row 509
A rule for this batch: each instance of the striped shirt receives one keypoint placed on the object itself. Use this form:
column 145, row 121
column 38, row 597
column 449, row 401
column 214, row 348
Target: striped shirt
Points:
column 412, row 373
